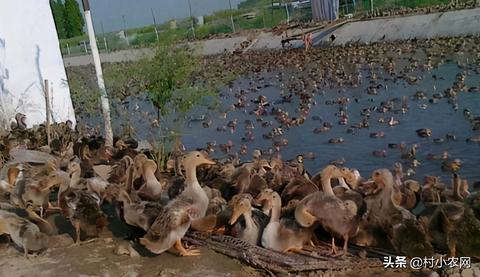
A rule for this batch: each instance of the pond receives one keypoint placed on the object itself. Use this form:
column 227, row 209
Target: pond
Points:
column 357, row 149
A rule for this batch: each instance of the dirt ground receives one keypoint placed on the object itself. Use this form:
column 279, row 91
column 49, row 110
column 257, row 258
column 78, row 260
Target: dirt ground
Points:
column 98, row 259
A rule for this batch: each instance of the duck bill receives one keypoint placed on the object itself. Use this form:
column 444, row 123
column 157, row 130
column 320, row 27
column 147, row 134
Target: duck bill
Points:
column 209, row 161
column 368, row 182
column 235, row 215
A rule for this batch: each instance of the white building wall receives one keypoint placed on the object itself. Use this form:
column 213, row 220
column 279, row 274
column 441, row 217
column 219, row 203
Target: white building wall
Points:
column 29, row 54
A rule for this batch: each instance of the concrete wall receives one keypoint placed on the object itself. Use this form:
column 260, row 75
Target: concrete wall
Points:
column 454, row 23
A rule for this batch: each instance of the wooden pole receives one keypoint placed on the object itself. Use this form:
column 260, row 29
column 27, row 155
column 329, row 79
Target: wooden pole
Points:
column 47, row 110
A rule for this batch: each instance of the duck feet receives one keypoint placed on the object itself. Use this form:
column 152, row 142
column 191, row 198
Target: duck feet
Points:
column 185, row 252
column 294, row 249
column 345, row 246
column 334, row 248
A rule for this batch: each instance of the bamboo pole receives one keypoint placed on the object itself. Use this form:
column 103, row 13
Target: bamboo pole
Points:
column 47, row 110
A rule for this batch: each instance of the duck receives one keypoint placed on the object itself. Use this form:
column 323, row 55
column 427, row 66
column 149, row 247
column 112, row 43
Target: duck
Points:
column 380, row 153
column 81, row 208
column 35, row 193
column 393, row 122
column 409, row 190
column 405, row 233
column 433, row 157
column 454, row 226
column 170, row 226
column 424, row 132
column 380, row 134
column 343, row 176
column 455, row 193
column 410, row 154
column 337, row 216
column 140, row 214
column 281, row 234
column 452, row 166
column 95, row 185
column 22, row 232
column 152, row 188
column 250, row 229
column 431, row 190
column 336, row 140
column 181, row 212
column 299, row 165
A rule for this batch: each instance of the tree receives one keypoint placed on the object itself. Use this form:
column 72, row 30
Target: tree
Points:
column 58, row 11
column 73, row 19
column 171, row 80
column 168, row 78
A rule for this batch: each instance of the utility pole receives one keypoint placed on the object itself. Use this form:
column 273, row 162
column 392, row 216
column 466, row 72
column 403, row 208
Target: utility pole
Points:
column 98, row 70
column 371, row 7
column 125, row 30
column 104, row 37
column 191, row 17
column 154, row 24
column 231, row 15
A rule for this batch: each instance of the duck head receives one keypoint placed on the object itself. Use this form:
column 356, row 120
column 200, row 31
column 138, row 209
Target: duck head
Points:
column 240, row 207
column 382, row 177
column 268, row 199
column 21, row 119
column 196, row 158
column 137, row 165
column 352, row 176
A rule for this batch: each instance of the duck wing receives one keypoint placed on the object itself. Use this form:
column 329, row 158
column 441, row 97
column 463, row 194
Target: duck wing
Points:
column 172, row 221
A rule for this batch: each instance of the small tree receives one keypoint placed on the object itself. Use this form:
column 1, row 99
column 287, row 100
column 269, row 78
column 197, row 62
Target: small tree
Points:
column 170, row 80
column 58, row 10
column 73, row 19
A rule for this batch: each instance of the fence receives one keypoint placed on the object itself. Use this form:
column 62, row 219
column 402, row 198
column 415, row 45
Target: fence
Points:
column 258, row 18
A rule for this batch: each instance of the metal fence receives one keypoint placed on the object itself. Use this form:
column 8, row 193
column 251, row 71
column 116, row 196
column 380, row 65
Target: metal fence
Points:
column 267, row 17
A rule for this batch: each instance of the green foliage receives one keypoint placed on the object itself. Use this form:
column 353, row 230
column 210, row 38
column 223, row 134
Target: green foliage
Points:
column 168, row 77
column 73, row 19
column 58, row 11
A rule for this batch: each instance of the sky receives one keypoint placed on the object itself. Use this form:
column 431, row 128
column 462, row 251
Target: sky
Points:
column 137, row 12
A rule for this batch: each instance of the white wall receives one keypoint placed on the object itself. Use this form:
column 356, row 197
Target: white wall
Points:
column 29, row 54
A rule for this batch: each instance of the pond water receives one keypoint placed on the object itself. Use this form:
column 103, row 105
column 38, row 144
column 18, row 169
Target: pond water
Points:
column 357, row 148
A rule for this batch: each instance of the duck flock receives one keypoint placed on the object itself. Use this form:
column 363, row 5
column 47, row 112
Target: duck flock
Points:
column 266, row 200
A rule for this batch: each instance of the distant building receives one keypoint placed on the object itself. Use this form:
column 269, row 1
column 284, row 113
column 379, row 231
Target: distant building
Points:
column 325, row 10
